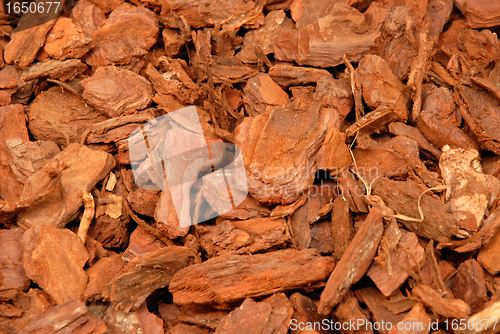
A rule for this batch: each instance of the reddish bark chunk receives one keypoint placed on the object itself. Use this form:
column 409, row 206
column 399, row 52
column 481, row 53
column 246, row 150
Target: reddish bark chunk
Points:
column 115, row 91
column 12, row 124
column 66, row 40
column 54, row 259
column 229, row 278
column 129, row 32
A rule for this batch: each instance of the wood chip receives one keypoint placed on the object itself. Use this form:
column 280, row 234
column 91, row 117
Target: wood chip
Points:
column 229, row 278
column 54, row 259
column 354, row 263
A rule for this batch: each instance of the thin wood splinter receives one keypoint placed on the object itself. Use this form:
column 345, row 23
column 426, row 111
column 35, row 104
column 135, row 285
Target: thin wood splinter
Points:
column 88, row 214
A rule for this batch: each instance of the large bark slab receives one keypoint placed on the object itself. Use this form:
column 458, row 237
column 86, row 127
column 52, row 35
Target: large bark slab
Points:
column 230, row 278
column 324, row 42
column 115, row 91
column 60, row 116
column 78, row 167
column 280, row 170
column 54, row 259
column 128, row 32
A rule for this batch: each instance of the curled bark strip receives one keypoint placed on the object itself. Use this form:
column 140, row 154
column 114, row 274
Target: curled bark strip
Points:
column 88, row 214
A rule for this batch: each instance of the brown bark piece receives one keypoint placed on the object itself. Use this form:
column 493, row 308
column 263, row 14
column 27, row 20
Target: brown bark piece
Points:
column 166, row 218
column 402, row 197
column 480, row 111
column 481, row 47
column 440, row 133
column 489, row 255
column 285, row 210
column 490, row 311
column 349, row 311
column 261, row 94
column 144, row 201
column 128, row 32
column 112, row 224
column 229, row 278
column 438, row 13
column 231, row 15
column 9, row 77
column 379, row 162
column 381, row 88
column 144, row 274
column 338, row 95
column 173, row 41
column 243, row 237
column 272, row 315
column 307, row 214
column 407, row 255
column 54, row 69
column 470, row 284
column 267, row 153
column 12, row 124
column 480, row 14
column 29, row 157
column 87, row 16
column 12, row 274
column 445, row 271
column 60, row 116
column 118, row 129
column 66, row 40
column 82, row 169
column 305, row 310
column 487, row 231
column 114, row 91
column 391, row 18
column 333, row 155
column 471, row 192
column 24, row 44
column 354, row 263
column 341, row 226
column 285, row 45
column 447, row 307
column 324, row 42
column 231, row 70
column 401, row 129
column 264, row 36
column 375, row 301
column 54, row 259
column 120, row 322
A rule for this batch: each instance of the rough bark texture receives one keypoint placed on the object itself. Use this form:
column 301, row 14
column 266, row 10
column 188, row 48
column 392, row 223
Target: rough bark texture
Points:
column 369, row 138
